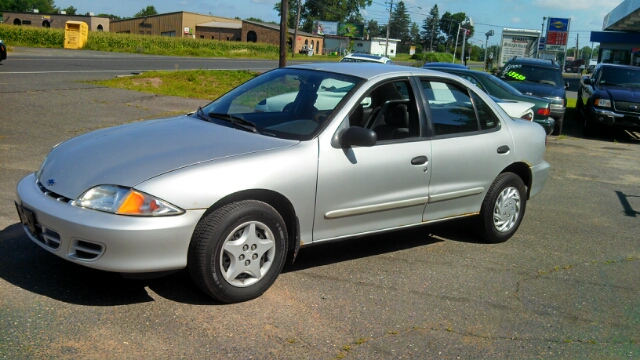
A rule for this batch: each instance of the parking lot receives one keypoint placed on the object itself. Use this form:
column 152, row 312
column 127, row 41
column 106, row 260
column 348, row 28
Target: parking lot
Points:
column 567, row 285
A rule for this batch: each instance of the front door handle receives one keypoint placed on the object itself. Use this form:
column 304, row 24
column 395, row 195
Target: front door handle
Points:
column 503, row 149
column 419, row 160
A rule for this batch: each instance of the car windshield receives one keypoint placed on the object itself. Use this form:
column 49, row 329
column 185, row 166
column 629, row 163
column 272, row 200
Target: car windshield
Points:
column 286, row 103
column 503, row 85
column 620, row 76
column 532, row 73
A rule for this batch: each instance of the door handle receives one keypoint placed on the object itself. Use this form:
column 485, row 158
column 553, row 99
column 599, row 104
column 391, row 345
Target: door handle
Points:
column 419, row 160
column 503, row 149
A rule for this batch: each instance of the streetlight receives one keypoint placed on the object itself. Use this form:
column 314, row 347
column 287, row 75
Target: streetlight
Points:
column 544, row 18
column 486, row 42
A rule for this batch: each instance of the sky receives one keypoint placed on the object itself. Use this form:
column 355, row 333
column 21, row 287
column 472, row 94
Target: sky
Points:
column 585, row 15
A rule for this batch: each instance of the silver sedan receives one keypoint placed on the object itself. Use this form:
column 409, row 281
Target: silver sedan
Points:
column 233, row 190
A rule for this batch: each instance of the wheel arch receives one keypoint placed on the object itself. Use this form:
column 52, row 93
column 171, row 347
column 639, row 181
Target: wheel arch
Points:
column 524, row 172
column 276, row 200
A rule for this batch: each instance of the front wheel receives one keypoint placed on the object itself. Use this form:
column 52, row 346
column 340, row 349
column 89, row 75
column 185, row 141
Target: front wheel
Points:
column 237, row 252
column 502, row 209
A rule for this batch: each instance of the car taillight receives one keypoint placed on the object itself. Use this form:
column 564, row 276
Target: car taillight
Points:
column 528, row 116
column 544, row 112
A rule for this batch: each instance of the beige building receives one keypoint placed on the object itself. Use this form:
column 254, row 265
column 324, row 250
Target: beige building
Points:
column 56, row 21
column 180, row 24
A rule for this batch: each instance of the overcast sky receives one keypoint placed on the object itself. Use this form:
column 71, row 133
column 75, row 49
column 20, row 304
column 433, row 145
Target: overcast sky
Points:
column 585, row 15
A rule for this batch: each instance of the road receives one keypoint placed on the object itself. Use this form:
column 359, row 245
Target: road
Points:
column 567, row 285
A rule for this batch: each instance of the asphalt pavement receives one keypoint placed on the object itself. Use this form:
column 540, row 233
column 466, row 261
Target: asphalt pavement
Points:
column 567, row 285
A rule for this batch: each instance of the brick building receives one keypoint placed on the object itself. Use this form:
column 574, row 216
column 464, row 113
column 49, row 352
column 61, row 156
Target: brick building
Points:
column 270, row 33
column 56, row 21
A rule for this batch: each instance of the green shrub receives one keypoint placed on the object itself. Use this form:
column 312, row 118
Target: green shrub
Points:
column 133, row 43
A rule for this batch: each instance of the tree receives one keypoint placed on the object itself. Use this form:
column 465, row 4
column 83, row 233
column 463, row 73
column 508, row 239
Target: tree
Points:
column 373, row 29
column 110, row 16
column 148, row 11
column 43, row 6
column 430, row 34
column 399, row 24
column 70, row 10
column 292, row 10
column 333, row 10
column 415, row 33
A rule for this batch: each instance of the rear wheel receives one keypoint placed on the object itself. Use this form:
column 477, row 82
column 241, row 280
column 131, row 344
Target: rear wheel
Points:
column 502, row 209
column 237, row 252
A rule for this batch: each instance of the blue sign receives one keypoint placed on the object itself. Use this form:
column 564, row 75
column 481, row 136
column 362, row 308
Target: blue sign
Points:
column 559, row 25
column 541, row 44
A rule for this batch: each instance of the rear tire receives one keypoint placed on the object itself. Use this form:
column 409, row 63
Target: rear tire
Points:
column 237, row 252
column 502, row 209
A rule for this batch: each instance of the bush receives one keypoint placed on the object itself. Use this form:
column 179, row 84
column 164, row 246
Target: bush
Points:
column 431, row 57
column 133, row 43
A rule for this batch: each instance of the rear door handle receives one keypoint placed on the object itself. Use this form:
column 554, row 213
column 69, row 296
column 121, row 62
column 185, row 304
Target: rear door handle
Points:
column 419, row 160
column 503, row 149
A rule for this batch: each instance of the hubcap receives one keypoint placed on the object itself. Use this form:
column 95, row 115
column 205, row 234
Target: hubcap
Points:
column 506, row 210
column 247, row 254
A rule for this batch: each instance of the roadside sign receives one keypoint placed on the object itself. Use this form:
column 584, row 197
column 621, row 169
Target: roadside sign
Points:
column 557, row 34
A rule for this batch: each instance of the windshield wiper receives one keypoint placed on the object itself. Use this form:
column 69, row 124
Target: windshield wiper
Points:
column 202, row 115
column 236, row 121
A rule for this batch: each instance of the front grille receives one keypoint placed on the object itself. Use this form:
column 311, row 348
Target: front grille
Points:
column 51, row 194
column 85, row 250
column 627, row 106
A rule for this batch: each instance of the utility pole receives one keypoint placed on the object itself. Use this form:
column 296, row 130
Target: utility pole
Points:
column 295, row 31
column 455, row 47
column 284, row 31
column 433, row 30
column 386, row 47
column 464, row 40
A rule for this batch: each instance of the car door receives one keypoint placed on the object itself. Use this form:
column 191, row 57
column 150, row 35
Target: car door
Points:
column 368, row 189
column 469, row 148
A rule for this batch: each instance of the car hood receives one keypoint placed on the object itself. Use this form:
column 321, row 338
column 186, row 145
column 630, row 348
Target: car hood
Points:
column 130, row 154
column 618, row 93
column 542, row 90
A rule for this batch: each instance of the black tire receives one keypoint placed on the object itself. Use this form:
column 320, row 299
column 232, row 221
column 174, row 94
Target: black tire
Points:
column 508, row 195
column 590, row 128
column 211, row 262
column 557, row 127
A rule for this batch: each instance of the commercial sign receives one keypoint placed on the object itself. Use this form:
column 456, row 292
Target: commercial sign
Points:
column 325, row 28
column 341, row 29
column 518, row 42
column 557, row 34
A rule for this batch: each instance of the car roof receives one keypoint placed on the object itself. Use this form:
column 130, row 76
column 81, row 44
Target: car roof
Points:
column 601, row 65
column 366, row 70
column 366, row 56
column 536, row 62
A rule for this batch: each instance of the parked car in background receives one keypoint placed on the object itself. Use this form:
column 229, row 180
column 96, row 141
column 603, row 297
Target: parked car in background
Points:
column 574, row 66
column 367, row 58
column 232, row 193
column 610, row 98
column 592, row 66
column 542, row 78
column 502, row 90
column 443, row 65
column 3, row 51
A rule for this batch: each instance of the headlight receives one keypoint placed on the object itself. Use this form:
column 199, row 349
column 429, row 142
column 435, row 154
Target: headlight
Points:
column 124, row 201
column 602, row 103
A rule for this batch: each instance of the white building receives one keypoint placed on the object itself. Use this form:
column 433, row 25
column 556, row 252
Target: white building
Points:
column 376, row 46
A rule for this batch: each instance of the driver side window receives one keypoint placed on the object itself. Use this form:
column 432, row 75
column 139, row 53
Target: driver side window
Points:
column 390, row 111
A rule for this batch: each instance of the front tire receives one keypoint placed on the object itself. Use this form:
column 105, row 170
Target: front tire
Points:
column 237, row 252
column 502, row 209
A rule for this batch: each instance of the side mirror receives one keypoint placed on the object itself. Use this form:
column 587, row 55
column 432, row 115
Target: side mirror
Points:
column 566, row 85
column 357, row 136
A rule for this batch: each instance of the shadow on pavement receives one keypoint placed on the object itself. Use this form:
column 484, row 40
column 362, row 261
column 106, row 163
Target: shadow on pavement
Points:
column 27, row 266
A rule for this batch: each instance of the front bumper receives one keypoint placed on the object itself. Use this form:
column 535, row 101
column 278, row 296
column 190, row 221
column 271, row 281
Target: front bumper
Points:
column 614, row 119
column 104, row 241
column 539, row 174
